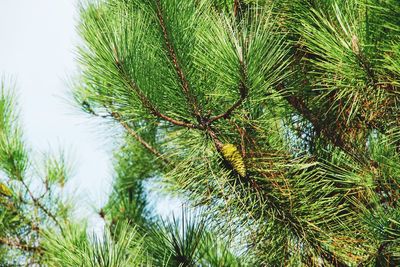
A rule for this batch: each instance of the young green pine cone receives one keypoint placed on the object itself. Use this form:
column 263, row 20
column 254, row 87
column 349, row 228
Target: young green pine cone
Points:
column 233, row 156
column 4, row 190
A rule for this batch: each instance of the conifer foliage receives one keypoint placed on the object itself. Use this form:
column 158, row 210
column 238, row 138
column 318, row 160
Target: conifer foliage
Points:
column 31, row 198
column 276, row 121
column 279, row 117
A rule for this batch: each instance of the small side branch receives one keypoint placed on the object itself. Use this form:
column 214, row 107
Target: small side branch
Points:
column 147, row 103
column 229, row 112
column 334, row 137
column 236, row 6
column 218, row 144
column 15, row 243
column 134, row 134
column 138, row 138
column 172, row 54
column 332, row 259
column 243, row 90
column 37, row 202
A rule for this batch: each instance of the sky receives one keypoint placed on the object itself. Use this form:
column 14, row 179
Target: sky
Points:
column 37, row 49
column 37, row 43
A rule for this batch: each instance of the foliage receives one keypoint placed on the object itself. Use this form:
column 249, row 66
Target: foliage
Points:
column 307, row 91
column 74, row 247
column 30, row 197
column 277, row 119
column 183, row 242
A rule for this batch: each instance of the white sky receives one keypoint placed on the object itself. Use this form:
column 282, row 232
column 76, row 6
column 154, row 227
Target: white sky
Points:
column 37, row 43
column 37, row 40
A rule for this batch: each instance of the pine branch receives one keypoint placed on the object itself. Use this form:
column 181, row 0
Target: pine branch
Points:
column 135, row 135
column 298, row 104
column 229, row 112
column 37, row 202
column 236, row 6
column 184, row 83
column 15, row 243
column 147, row 103
column 243, row 90
column 380, row 251
column 332, row 259
column 296, row 226
column 131, row 132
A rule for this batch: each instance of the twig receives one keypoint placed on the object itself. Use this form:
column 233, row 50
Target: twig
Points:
column 236, row 6
column 184, row 83
column 40, row 205
column 229, row 112
column 214, row 137
column 243, row 90
column 298, row 104
column 17, row 244
column 147, row 103
column 135, row 135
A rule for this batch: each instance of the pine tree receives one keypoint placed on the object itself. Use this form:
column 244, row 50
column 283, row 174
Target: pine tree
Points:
column 30, row 190
column 278, row 118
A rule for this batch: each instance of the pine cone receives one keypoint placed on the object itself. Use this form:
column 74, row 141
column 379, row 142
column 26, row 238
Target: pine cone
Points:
column 233, row 156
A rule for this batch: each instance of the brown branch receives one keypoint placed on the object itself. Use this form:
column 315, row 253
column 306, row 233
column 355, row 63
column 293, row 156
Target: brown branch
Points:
column 301, row 107
column 213, row 135
column 332, row 259
column 145, row 101
column 135, row 135
column 236, row 6
column 229, row 112
column 40, row 205
column 243, row 90
column 379, row 252
column 296, row 226
column 10, row 206
column 15, row 243
column 171, row 51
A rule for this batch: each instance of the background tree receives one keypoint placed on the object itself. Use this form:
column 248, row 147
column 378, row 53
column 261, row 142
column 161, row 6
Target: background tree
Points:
column 279, row 118
column 30, row 191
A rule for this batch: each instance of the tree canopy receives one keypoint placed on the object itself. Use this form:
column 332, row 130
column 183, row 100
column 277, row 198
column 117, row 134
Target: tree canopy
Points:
column 275, row 122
